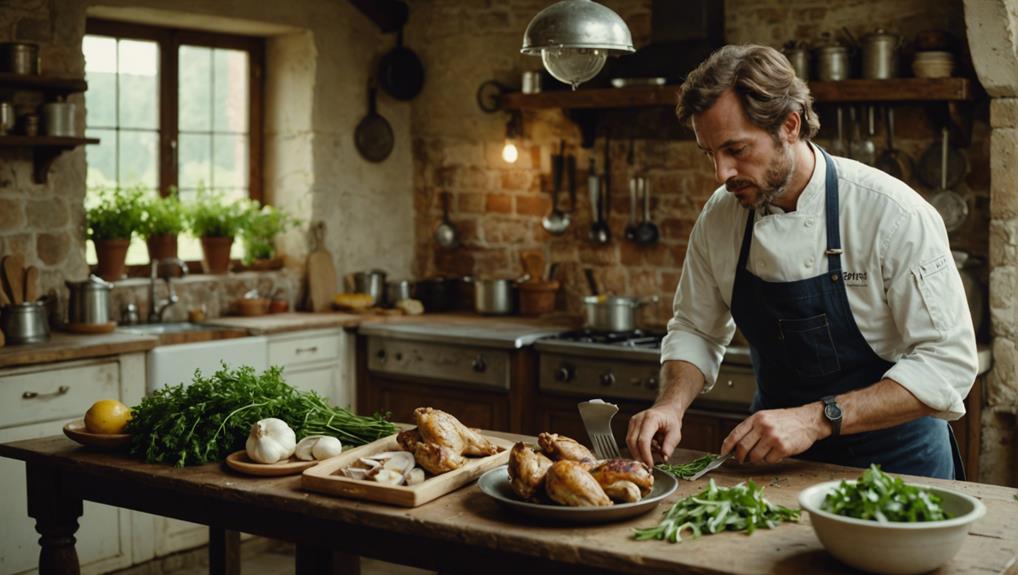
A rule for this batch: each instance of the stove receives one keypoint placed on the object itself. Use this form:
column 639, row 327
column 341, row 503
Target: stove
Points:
column 625, row 365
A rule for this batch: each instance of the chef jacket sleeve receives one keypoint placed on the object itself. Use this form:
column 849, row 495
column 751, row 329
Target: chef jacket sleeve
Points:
column 929, row 307
column 702, row 323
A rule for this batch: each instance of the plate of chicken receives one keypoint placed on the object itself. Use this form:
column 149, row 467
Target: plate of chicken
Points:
column 411, row 467
column 562, row 480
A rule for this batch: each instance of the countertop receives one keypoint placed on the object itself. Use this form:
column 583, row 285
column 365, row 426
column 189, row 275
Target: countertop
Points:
column 66, row 346
column 469, row 329
column 291, row 321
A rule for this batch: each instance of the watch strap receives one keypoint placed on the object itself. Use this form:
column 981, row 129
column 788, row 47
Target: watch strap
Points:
column 831, row 400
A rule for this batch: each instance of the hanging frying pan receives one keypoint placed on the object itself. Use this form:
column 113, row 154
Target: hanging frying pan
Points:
column 373, row 136
column 400, row 72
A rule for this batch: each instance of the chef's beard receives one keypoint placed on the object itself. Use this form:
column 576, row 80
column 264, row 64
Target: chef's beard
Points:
column 779, row 173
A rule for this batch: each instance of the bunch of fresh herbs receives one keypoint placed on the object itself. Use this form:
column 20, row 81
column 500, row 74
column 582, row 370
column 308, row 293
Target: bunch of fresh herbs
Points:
column 164, row 216
column 689, row 469
column 212, row 417
column 213, row 215
column 114, row 213
column 263, row 225
column 881, row 497
column 716, row 509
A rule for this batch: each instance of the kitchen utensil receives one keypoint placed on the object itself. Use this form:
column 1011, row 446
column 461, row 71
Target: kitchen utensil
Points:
column 75, row 430
column 612, row 313
column 495, row 484
column 89, row 301
column 437, row 293
column 533, row 264
column 631, row 227
column 445, row 233
column 4, row 299
column 398, row 290
column 373, row 135
column 647, row 233
column 862, row 147
column 571, row 181
column 530, row 82
column 58, row 119
column 14, row 277
column 798, row 57
column 537, row 297
column 24, row 322
column 495, row 296
column 31, row 283
column 949, row 204
column 711, row 466
column 6, row 118
column 880, row 55
column 892, row 160
column 19, row 58
column 831, row 62
column 321, row 272
column 556, row 222
column 599, row 231
column 838, row 146
column 931, row 165
column 400, row 71
column 591, row 282
column 239, row 461
column 371, row 282
column 597, row 417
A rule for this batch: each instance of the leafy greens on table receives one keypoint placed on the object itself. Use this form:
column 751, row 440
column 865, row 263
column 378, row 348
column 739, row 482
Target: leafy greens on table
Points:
column 715, row 509
column 210, row 418
column 881, row 497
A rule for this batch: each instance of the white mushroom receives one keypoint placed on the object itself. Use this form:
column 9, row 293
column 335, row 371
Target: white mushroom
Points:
column 389, row 477
column 401, row 462
column 414, row 476
column 368, row 463
column 355, row 473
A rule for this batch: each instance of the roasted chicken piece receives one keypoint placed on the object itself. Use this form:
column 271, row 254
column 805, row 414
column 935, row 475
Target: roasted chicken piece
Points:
column 527, row 469
column 611, row 471
column 622, row 491
column 569, row 483
column 408, row 439
column 559, row 447
column 437, row 426
column 437, row 459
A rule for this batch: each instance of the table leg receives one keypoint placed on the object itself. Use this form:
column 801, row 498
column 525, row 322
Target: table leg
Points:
column 224, row 551
column 317, row 561
column 55, row 505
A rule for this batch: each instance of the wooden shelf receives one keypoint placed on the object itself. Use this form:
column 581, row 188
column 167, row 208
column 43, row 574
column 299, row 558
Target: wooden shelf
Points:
column 897, row 90
column 45, row 149
column 42, row 83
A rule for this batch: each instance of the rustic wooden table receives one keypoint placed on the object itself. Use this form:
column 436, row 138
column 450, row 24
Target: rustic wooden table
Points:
column 463, row 532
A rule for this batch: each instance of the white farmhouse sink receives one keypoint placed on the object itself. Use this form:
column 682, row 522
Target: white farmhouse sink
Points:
column 173, row 364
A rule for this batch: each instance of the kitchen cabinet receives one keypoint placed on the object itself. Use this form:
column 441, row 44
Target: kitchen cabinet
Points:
column 36, row 401
column 314, row 360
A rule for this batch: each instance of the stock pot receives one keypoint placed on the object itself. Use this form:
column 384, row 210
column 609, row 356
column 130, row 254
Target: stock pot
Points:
column 612, row 313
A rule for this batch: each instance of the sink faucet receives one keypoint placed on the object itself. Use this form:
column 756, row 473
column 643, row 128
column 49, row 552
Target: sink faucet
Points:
column 156, row 309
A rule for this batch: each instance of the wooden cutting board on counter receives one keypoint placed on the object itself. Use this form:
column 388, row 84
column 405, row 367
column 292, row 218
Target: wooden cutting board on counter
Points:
column 321, row 272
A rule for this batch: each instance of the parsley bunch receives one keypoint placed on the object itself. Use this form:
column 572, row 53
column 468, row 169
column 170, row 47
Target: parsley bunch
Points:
column 716, row 509
column 880, row 497
column 212, row 417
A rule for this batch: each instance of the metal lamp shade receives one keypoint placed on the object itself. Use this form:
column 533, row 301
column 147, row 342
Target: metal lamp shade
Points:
column 577, row 24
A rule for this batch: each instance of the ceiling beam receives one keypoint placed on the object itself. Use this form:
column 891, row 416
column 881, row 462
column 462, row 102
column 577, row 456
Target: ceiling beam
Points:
column 388, row 15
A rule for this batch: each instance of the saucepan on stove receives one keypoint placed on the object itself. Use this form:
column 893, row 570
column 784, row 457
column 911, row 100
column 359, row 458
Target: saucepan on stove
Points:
column 612, row 313
column 495, row 296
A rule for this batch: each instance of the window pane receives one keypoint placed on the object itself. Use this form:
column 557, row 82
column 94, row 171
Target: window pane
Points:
column 195, row 88
column 101, row 159
column 139, row 84
column 230, row 161
column 230, row 93
column 194, row 164
column 101, row 75
column 139, row 159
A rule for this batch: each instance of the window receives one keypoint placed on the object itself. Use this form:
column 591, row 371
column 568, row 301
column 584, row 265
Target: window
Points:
column 172, row 109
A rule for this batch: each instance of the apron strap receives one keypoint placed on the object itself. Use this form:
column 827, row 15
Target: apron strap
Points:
column 831, row 209
column 747, row 240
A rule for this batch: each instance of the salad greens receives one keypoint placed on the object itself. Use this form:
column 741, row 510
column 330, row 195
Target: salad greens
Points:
column 881, row 497
column 715, row 509
column 207, row 420
column 687, row 470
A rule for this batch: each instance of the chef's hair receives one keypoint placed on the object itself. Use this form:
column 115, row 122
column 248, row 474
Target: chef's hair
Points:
column 762, row 78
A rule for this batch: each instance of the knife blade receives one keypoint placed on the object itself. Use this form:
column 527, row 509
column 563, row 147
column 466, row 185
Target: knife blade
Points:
column 711, row 466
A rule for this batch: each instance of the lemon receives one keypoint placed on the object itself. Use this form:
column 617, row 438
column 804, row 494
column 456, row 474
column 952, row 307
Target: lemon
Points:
column 107, row 416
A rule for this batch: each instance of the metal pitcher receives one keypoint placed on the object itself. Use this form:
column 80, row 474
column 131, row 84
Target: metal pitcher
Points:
column 880, row 55
column 89, row 302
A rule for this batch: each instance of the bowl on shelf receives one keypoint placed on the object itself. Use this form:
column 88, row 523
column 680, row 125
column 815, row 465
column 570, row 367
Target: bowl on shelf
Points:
column 892, row 547
column 933, row 64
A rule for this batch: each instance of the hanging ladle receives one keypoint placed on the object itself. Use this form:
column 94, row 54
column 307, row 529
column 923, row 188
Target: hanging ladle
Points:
column 556, row 222
column 445, row 234
column 647, row 232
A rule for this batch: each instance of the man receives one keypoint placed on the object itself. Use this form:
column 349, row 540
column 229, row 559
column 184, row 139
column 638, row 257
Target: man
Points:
column 840, row 277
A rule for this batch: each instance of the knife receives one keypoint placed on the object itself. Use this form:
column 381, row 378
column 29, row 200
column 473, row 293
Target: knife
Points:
column 712, row 466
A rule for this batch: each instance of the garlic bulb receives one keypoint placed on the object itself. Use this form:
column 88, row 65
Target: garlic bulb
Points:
column 327, row 446
column 303, row 450
column 271, row 440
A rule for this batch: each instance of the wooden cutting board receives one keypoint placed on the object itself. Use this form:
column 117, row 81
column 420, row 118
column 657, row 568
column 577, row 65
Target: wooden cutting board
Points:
column 321, row 272
column 325, row 477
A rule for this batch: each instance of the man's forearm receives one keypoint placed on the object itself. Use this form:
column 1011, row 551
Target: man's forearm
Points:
column 879, row 406
column 681, row 382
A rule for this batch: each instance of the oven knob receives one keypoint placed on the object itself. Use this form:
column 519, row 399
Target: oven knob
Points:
column 565, row 373
column 652, row 383
column 399, row 356
column 380, row 354
column 479, row 365
column 607, row 378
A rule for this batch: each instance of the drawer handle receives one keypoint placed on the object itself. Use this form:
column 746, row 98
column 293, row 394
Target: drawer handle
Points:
column 63, row 389
column 312, row 349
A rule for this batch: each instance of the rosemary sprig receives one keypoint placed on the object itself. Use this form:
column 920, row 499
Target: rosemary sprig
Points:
column 687, row 470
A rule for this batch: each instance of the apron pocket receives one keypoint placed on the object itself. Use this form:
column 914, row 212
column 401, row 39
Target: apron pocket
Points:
column 809, row 347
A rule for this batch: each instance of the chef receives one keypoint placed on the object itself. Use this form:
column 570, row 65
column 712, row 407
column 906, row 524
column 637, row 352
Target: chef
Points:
column 839, row 276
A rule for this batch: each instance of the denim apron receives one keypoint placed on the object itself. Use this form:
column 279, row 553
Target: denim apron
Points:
column 805, row 345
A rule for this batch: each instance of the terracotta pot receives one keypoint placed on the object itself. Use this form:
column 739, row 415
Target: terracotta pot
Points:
column 161, row 247
column 217, row 254
column 111, row 255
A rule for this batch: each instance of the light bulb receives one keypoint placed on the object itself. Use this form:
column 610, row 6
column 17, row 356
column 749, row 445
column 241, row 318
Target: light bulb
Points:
column 509, row 152
column 573, row 65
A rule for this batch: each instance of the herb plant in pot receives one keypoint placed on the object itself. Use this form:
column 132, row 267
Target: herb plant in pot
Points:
column 216, row 220
column 263, row 225
column 163, row 220
column 111, row 220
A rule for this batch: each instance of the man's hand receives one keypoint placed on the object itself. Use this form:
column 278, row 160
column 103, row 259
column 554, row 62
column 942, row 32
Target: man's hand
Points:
column 659, row 427
column 772, row 435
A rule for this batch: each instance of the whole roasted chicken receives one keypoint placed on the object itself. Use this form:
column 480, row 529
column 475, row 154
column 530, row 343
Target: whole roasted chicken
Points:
column 569, row 483
column 437, row 459
column 624, row 480
column 441, row 428
column 527, row 469
column 559, row 447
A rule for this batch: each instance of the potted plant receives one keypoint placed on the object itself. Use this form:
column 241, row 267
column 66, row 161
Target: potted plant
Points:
column 216, row 220
column 163, row 220
column 263, row 225
column 111, row 220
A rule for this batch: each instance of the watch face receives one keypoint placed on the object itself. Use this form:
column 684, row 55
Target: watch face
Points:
column 832, row 411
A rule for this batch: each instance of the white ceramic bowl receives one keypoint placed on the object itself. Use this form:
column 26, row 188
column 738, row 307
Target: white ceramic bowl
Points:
column 892, row 548
column 932, row 69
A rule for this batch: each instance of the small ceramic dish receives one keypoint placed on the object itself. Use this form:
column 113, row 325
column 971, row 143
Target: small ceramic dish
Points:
column 76, row 431
column 239, row 461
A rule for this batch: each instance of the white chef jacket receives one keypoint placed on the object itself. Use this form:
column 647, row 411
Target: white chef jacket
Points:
column 903, row 287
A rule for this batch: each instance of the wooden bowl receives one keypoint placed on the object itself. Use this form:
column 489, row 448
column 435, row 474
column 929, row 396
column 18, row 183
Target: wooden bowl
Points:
column 76, row 431
column 239, row 461
column 251, row 307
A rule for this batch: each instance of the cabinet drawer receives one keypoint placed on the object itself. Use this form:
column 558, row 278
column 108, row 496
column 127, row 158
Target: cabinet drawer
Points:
column 304, row 349
column 58, row 392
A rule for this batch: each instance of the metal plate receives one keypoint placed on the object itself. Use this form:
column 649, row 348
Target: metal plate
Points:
column 495, row 484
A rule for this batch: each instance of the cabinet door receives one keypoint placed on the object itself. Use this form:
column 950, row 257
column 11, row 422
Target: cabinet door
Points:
column 322, row 379
column 481, row 409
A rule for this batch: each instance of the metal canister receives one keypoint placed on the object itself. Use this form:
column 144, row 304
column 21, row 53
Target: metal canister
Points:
column 832, row 62
column 25, row 322
column 19, row 58
column 58, row 119
column 6, row 117
column 531, row 82
column 798, row 56
column 880, row 55
column 89, row 301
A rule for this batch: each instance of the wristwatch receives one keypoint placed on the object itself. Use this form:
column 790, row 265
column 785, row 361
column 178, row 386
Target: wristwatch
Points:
column 832, row 411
